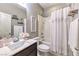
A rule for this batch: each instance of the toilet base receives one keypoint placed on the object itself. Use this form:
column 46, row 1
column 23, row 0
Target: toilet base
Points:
column 42, row 53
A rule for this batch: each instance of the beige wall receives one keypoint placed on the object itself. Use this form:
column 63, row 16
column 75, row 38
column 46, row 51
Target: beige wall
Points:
column 33, row 9
column 12, row 9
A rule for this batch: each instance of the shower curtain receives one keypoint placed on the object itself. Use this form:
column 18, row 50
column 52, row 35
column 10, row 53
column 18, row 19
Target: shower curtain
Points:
column 59, row 34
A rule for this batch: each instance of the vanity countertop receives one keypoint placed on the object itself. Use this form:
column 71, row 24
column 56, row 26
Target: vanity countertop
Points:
column 5, row 51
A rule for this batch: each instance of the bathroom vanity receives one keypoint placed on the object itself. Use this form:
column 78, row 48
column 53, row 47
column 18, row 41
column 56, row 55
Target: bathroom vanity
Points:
column 29, row 48
column 29, row 51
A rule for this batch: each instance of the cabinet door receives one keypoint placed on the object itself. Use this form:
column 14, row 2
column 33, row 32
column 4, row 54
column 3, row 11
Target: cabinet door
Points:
column 5, row 24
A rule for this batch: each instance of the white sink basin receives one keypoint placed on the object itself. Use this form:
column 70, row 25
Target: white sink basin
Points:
column 16, row 45
column 30, row 40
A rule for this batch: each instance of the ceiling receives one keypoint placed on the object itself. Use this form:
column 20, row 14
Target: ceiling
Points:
column 19, row 6
column 48, row 5
column 43, row 5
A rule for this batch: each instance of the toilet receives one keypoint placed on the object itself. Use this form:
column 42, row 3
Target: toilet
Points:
column 44, row 48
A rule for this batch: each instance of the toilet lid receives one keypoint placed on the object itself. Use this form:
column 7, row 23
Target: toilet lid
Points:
column 43, row 46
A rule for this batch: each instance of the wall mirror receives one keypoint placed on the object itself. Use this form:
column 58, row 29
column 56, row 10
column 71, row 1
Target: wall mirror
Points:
column 10, row 25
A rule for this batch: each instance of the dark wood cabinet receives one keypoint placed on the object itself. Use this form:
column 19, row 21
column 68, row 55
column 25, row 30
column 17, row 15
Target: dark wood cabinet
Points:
column 29, row 51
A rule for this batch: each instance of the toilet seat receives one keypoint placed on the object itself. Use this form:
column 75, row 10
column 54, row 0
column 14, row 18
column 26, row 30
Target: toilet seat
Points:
column 43, row 48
